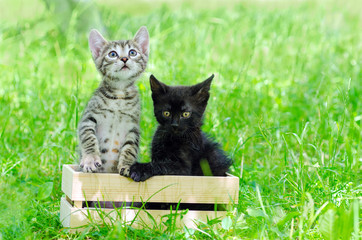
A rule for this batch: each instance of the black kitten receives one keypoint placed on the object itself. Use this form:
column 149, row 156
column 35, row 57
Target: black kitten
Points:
column 179, row 147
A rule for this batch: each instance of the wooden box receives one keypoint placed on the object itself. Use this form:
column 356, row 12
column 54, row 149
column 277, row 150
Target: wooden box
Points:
column 196, row 192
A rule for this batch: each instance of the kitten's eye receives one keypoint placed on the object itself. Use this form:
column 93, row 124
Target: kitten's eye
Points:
column 166, row 113
column 132, row 52
column 112, row 54
column 186, row 114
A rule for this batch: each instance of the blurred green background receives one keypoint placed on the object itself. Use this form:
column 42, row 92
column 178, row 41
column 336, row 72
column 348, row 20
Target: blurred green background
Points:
column 285, row 105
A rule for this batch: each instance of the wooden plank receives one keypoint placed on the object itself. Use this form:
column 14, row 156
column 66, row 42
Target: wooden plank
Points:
column 78, row 204
column 65, row 211
column 67, row 179
column 75, row 218
column 113, row 187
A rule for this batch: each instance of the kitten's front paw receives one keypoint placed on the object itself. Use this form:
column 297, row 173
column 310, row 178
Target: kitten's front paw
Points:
column 123, row 170
column 139, row 173
column 90, row 162
column 124, row 165
column 135, row 175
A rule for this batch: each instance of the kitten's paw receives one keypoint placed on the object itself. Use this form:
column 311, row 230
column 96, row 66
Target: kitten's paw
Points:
column 123, row 170
column 138, row 173
column 124, row 165
column 90, row 162
column 135, row 175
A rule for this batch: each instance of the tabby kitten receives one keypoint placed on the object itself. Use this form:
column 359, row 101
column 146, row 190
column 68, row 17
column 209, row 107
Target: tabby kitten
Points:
column 179, row 146
column 109, row 129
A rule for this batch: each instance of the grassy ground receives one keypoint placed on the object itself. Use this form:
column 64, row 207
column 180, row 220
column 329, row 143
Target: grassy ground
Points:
column 286, row 106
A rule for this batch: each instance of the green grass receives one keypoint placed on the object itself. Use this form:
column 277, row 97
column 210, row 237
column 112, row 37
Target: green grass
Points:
column 285, row 105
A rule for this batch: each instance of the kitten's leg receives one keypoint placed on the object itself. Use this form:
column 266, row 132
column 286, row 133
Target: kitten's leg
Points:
column 129, row 152
column 219, row 163
column 165, row 166
column 90, row 156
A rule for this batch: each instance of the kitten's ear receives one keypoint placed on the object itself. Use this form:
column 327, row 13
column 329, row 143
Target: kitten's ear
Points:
column 96, row 42
column 142, row 38
column 157, row 87
column 201, row 90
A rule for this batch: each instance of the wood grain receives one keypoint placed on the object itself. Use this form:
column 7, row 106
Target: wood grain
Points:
column 79, row 186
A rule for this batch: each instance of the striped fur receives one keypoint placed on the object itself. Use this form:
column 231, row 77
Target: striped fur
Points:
column 109, row 130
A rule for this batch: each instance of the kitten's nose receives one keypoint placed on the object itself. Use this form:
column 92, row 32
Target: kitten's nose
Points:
column 124, row 59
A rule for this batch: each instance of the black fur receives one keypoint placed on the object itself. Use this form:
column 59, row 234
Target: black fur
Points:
column 179, row 145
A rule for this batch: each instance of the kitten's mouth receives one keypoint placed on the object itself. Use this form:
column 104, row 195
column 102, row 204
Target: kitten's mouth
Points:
column 177, row 131
column 125, row 67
